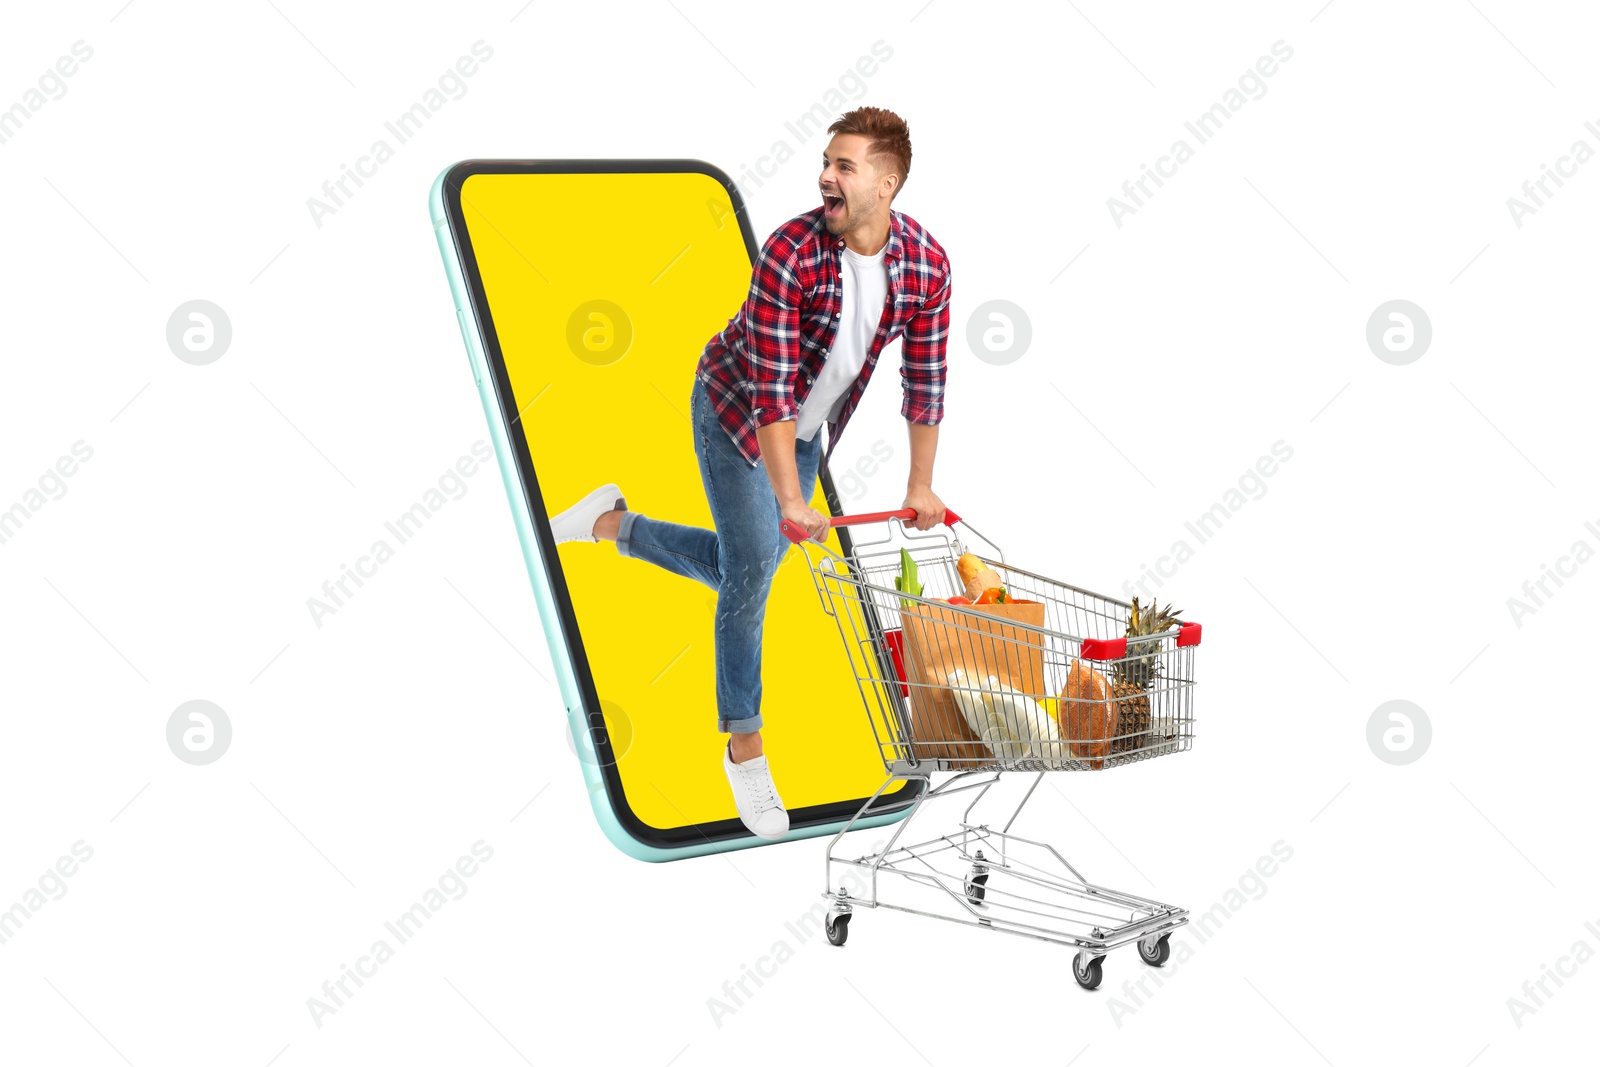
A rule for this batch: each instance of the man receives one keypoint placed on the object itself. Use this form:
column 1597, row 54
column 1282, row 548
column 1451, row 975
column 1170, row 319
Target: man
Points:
column 829, row 290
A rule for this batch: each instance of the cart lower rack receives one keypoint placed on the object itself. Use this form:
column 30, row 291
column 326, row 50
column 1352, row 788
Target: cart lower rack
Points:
column 1043, row 677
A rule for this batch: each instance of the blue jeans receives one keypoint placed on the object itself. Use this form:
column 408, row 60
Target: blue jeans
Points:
column 738, row 559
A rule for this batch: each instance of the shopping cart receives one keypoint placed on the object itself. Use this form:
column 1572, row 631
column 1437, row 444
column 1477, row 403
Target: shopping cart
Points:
column 964, row 689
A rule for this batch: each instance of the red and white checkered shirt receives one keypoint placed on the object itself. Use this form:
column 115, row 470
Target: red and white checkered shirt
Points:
column 760, row 368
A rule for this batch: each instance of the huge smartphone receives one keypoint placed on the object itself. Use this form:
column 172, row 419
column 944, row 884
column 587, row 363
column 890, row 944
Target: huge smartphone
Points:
column 585, row 291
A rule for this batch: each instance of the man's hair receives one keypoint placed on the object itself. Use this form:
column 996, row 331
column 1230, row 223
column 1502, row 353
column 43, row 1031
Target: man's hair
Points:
column 890, row 137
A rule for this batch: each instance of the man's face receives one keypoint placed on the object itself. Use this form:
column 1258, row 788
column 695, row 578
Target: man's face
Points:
column 854, row 191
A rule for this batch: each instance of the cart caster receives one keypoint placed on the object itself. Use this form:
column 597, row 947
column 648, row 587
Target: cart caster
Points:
column 976, row 880
column 838, row 928
column 1088, row 975
column 1155, row 952
column 975, row 887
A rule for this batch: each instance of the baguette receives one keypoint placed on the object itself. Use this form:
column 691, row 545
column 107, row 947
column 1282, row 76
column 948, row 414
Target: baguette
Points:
column 976, row 576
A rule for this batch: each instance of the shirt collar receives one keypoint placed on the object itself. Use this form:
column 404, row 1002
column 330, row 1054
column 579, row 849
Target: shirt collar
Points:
column 891, row 251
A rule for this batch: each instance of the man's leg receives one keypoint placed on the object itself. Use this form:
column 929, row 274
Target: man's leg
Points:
column 747, row 517
column 746, row 512
column 691, row 551
column 738, row 559
column 808, row 454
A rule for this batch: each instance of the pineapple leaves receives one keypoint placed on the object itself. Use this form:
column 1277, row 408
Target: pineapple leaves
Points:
column 1139, row 669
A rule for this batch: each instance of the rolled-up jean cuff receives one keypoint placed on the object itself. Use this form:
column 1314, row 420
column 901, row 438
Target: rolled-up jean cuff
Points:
column 740, row 726
column 624, row 529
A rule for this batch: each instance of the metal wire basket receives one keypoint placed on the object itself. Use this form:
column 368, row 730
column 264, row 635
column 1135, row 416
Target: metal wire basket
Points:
column 980, row 686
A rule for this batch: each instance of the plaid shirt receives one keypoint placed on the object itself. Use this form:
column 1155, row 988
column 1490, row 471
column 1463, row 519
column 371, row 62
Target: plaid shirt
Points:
column 760, row 368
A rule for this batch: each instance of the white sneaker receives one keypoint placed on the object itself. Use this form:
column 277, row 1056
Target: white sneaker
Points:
column 754, row 795
column 577, row 522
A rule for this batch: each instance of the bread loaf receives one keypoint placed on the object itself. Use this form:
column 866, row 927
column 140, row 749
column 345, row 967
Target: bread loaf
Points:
column 1088, row 714
column 976, row 576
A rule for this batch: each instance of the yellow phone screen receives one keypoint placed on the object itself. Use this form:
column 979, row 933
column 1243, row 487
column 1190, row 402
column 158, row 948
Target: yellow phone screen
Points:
column 603, row 288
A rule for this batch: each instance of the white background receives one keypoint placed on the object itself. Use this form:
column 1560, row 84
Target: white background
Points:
column 1227, row 314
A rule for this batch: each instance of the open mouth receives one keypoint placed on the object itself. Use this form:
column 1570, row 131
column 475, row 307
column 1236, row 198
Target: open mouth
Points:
column 832, row 206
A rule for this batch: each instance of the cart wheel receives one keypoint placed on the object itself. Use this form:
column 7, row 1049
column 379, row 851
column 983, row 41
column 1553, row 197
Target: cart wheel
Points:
column 1088, row 977
column 975, row 887
column 1155, row 955
column 838, row 929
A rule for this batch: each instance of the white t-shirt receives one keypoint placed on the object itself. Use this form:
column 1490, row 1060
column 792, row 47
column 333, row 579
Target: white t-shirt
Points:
column 864, row 281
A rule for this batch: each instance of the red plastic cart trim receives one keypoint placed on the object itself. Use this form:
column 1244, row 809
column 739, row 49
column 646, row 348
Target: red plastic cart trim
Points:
column 1189, row 634
column 895, row 639
column 796, row 533
column 1104, row 648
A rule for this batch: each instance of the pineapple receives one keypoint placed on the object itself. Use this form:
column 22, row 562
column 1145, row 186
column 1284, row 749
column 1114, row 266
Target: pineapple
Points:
column 1132, row 675
column 1133, row 717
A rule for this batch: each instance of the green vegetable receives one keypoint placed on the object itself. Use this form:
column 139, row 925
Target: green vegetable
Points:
column 907, row 581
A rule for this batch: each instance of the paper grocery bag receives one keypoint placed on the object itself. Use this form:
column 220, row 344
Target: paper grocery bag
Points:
column 939, row 639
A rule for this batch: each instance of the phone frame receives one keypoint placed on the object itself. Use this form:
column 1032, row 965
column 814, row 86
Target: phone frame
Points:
column 621, row 826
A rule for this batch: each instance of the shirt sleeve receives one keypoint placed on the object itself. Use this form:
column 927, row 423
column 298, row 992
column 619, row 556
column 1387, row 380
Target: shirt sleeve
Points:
column 922, row 357
column 773, row 344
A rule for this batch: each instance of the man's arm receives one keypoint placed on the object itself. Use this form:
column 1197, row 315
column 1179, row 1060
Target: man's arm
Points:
column 777, row 453
column 922, row 374
column 922, row 358
column 919, row 486
column 924, row 442
column 772, row 345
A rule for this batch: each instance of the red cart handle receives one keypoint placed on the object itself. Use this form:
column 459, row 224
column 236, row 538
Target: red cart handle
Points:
column 797, row 533
column 1106, row 648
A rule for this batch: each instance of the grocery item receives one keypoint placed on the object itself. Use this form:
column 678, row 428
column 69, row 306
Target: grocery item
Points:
column 978, row 713
column 1010, row 723
column 940, row 726
column 980, row 640
column 1088, row 716
column 967, row 565
column 981, row 582
column 1134, row 674
column 1024, row 720
column 907, row 581
column 976, row 575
